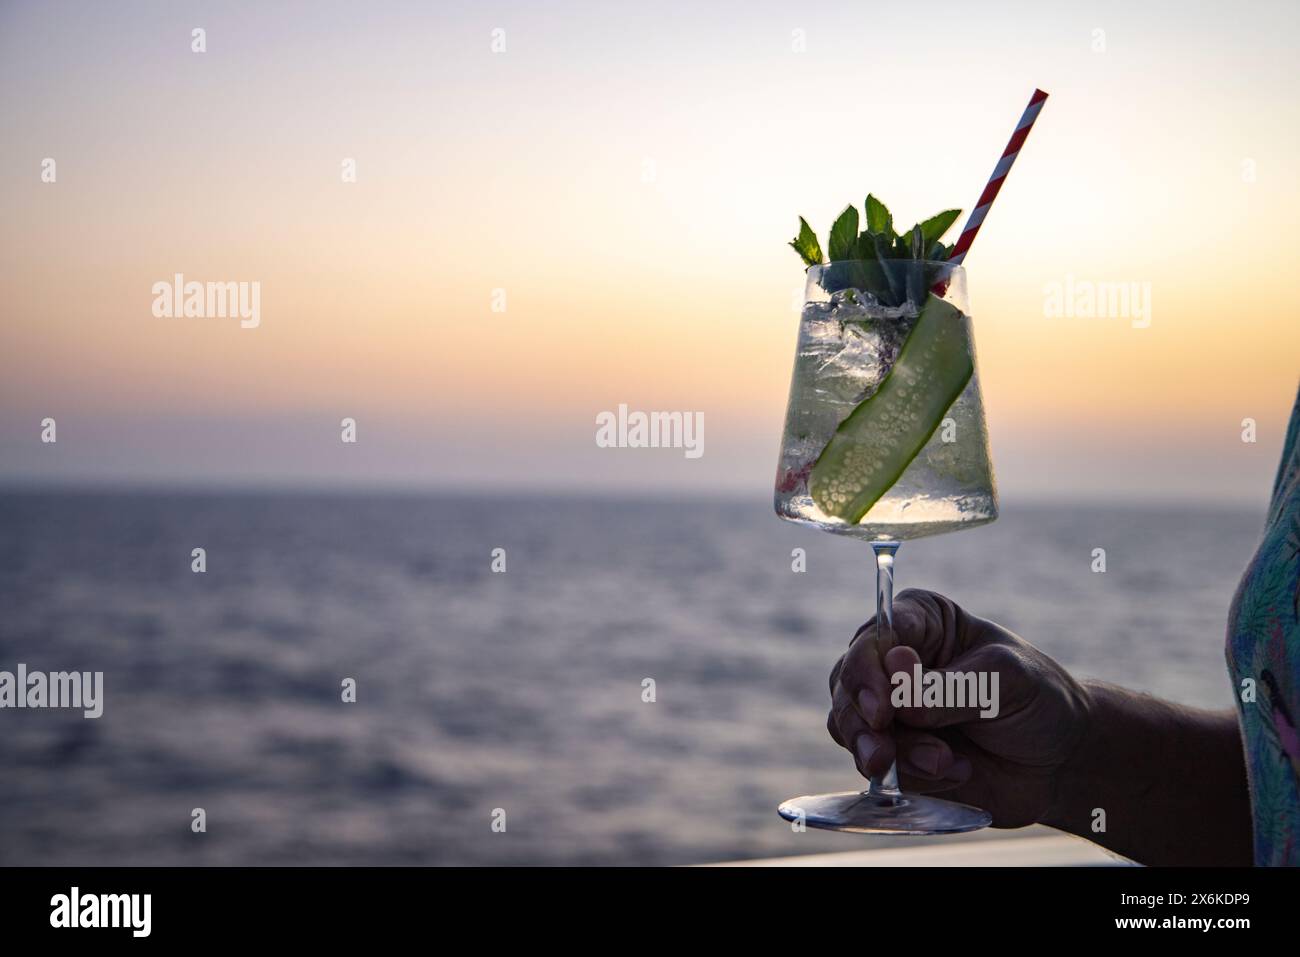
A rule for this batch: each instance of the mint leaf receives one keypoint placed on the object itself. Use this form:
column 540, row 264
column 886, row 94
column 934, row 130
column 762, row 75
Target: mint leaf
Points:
column 934, row 227
column 867, row 258
column 806, row 245
column 866, row 247
column 875, row 246
column 878, row 218
column 844, row 235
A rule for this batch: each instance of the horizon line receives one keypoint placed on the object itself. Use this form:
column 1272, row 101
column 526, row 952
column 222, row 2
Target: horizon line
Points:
column 25, row 485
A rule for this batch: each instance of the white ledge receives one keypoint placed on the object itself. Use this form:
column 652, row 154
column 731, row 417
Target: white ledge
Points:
column 1053, row 851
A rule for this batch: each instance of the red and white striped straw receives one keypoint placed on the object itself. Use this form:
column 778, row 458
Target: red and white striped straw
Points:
column 999, row 176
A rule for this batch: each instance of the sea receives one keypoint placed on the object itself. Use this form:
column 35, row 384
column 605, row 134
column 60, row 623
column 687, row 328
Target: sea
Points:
column 539, row 679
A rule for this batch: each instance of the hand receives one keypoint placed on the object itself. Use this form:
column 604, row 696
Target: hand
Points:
column 1008, row 764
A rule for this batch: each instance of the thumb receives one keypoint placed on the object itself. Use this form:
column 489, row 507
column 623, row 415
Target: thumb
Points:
column 908, row 628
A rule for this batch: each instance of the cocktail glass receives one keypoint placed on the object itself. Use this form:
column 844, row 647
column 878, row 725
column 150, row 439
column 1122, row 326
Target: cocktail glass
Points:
column 885, row 441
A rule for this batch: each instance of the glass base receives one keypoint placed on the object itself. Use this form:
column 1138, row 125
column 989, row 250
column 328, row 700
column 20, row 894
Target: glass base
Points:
column 884, row 812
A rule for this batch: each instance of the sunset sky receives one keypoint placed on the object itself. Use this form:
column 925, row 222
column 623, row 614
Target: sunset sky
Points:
column 629, row 175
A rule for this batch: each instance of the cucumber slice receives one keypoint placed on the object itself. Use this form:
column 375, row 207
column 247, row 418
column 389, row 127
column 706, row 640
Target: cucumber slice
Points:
column 879, row 439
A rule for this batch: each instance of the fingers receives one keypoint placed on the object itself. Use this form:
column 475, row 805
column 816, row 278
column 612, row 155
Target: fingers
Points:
column 913, row 618
column 901, row 660
column 930, row 636
column 845, row 718
column 835, row 672
column 922, row 620
column 927, row 762
column 833, row 730
column 862, row 676
column 873, row 752
column 951, row 695
column 872, row 749
column 934, row 625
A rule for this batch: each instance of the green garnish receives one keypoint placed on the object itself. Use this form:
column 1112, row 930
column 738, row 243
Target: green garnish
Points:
column 934, row 227
column 867, row 253
column 877, row 441
column 878, row 218
column 844, row 235
column 806, row 245
column 878, row 241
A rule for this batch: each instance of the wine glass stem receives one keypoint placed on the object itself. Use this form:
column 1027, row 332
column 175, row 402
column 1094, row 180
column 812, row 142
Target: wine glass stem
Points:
column 885, row 784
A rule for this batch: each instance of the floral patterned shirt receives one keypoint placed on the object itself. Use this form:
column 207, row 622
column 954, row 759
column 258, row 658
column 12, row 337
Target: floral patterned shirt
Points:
column 1263, row 652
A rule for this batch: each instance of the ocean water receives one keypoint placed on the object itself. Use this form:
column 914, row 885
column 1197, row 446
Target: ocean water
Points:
column 519, row 691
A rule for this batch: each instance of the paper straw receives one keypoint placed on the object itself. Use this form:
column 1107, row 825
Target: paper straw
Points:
column 999, row 176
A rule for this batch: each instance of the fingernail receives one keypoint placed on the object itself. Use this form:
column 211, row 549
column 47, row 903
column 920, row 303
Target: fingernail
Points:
column 926, row 757
column 867, row 706
column 864, row 748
